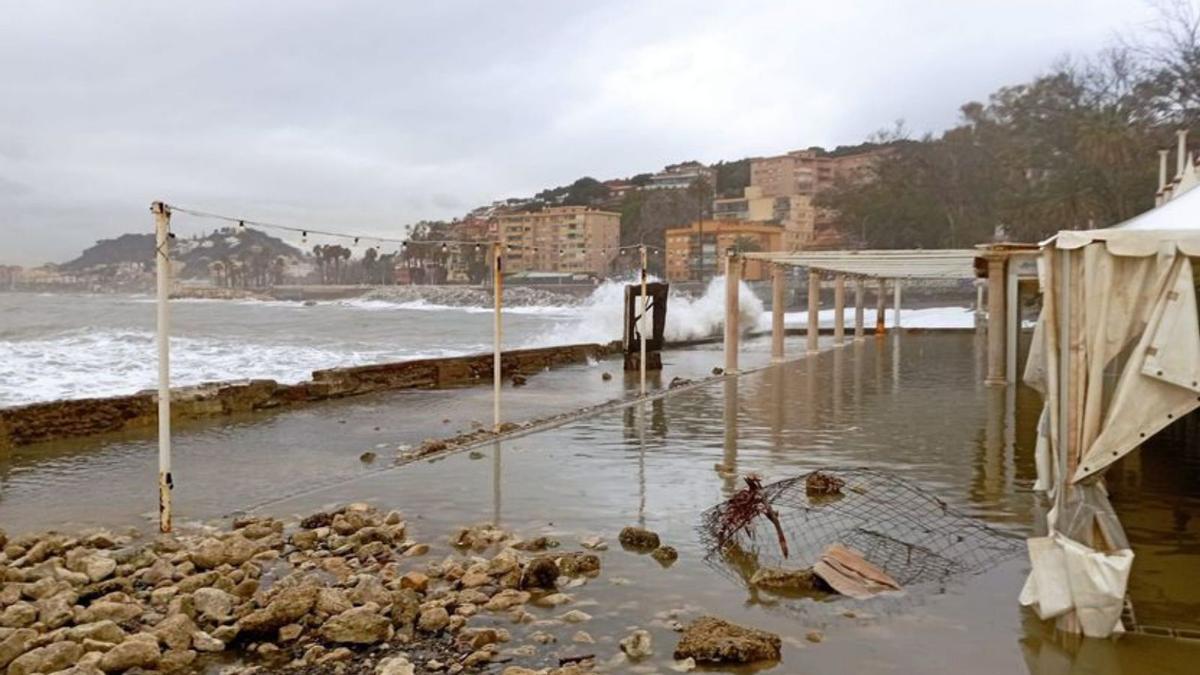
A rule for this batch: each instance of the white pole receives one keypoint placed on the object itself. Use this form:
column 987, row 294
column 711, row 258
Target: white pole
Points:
column 497, row 291
column 1012, row 308
column 732, row 313
column 859, row 308
column 896, row 302
column 642, row 325
column 162, row 257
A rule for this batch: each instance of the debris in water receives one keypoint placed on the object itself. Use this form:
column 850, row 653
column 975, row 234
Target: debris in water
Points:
column 518, row 380
column 821, row 483
column 718, row 371
column 606, row 376
column 741, row 511
column 367, row 457
column 678, row 382
column 846, row 572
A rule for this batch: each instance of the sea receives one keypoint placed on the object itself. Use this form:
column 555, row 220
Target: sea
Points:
column 76, row 345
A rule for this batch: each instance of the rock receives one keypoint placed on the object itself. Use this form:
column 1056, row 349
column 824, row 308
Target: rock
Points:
column 118, row 612
column 718, row 370
column 416, row 550
column 213, row 604
column 97, row 567
column 606, row 376
column 332, row 601
column 102, row 631
column 16, row 644
column 395, row 665
column 317, row 520
column 305, row 540
column 665, row 555
column 48, row 659
column 507, row 599
column 361, row 626
column 814, row 636
column 778, row 579
column 579, row 564
column 208, row 554
column 131, row 653
column 175, row 631
column 56, row 611
column 367, row 457
column 639, row 539
column 19, row 615
column 541, row 572
column 576, row 616
column 176, row 660
column 684, row 666
column 554, row 600
column 433, row 619
column 203, row 642
column 637, row 645
column 417, row 581
column 594, row 543
column 519, row 381
column 536, row 544
column 583, row 637
column 288, row 606
column 715, row 641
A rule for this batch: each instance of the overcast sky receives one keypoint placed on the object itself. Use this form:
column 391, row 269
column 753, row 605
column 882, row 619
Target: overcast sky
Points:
column 365, row 116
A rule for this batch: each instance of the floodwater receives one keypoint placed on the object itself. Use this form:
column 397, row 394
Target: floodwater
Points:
column 913, row 405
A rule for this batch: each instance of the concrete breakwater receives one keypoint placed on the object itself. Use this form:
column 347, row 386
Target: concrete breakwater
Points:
column 76, row 418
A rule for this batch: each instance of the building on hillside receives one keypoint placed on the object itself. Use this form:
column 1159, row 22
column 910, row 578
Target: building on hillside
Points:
column 617, row 188
column 715, row 238
column 572, row 239
column 794, row 212
column 680, row 176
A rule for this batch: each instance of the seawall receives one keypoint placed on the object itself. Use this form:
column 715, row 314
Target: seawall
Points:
column 76, row 418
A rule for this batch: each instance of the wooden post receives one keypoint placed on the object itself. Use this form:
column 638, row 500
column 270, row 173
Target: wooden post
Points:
column 880, row 308
column 860, row 292
column 896, row 284
column 642, row 327
column 732, row 312
column 839, row 309
column 814, row 309
column 995, row 320
column 497, row 328
column 162, row 257
column 778, row 281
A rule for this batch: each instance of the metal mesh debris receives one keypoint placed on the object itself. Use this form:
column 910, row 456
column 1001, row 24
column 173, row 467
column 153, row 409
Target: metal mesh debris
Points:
column 906, row 531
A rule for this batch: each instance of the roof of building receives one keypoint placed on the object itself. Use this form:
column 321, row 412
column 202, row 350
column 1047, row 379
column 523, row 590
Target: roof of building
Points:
column 890, row 264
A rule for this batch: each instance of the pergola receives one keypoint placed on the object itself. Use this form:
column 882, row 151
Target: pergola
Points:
column 881, row 265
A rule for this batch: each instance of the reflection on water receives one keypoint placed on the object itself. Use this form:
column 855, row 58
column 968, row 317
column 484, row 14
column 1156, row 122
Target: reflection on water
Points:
column 913, row 406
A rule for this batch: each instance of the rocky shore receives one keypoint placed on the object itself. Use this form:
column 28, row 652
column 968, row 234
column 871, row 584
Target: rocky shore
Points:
column 345, row 591
column 470, row 296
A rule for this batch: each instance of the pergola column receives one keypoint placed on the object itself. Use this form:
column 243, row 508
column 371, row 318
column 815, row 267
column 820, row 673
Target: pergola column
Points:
column 778, row 305
column 733, row 277
column 995, row 319
column 880, row 307
column 859, row 310
column 896, row 285
column 814, row 308
column 839, row 311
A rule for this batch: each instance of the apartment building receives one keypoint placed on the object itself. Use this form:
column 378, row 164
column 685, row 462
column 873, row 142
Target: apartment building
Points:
column 682, row 175
column 714, row 238
column 794, row 212
column 568, row 239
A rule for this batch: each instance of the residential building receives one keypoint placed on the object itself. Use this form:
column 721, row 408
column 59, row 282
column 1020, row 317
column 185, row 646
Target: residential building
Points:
column 794, row 212
column 715, row 238
column 571, row 239
column 680, row 176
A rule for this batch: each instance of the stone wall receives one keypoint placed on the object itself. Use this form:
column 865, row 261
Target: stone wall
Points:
column 58, row 420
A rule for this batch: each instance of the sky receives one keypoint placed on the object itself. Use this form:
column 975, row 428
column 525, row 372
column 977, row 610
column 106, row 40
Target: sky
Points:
column 366, row 116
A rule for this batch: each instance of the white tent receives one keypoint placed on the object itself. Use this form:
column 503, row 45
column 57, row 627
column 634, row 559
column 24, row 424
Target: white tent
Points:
column 1116, row 355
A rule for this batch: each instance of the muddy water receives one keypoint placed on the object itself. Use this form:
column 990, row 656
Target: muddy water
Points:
column 913, row 405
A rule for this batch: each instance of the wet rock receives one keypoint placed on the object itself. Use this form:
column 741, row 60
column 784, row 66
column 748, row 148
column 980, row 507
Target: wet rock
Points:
column 361, row 626
column 48, row 659
column 536, row 544
column 814, row 636
column 638, row 539
column 665, row 555
column 367, row 457
column 416, row 581
column 576, row 616
column 131, row 654
column 317, row 520
column 213, row 604
column 684, row 665
column 433, row 619
column 579, row 564
column 677, row 382
column 718, row 370
column 594, row 543
column 519, row 381
column 507, row 599
column 541, row 572
column 716, row 641
column 785, row 580
column 638, row 645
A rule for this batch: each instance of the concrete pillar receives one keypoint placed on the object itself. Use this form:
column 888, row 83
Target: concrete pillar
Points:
column 814, row 308
column 995, row 319
column 1012, row 305
column 860, row 292
column 778, row 305
column 880, row 307
column 896, row 284
column 733, row 276
column 839, row 309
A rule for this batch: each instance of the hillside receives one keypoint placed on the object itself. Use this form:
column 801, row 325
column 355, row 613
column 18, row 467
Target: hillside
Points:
column 246, row 247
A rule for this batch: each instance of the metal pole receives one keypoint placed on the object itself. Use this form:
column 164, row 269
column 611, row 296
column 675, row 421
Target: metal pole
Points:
column 896, row 284
column 642, row 325
column 778, row 281
column 732, row 277
column 497, row 291
column 162, row 239
column 839, row 304
column 859, row 297
column 814, row 309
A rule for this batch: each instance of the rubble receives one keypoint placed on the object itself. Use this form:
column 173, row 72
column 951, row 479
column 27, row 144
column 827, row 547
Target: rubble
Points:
column 714, row 641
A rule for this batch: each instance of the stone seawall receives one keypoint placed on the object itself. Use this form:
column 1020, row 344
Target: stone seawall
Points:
column 60, row 420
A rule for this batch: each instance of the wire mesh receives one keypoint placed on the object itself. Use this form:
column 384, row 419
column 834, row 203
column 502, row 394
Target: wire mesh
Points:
column 896, row 525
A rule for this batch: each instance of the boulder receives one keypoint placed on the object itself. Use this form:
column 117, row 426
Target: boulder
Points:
column 118, row 612
column 433, row 619
column 665, row 555
column 48, row 659
column 208, row 554
column 19, row 615
column 213, row 603
column 638, row 645
column 716, row 641
column 175, row 631
column 361, row 626
column 541, row 572
column 639, row 539
column 288, row 606
column 579, row 564
column 101, row 631
column 131, row 653
column 16, row 644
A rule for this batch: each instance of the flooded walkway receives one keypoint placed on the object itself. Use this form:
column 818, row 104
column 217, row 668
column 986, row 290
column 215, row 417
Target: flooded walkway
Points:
column 912, row 405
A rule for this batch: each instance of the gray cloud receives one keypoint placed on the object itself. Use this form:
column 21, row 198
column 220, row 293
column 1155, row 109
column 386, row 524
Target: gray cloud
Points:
column 372, row 115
